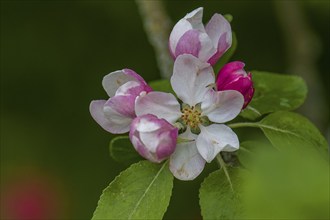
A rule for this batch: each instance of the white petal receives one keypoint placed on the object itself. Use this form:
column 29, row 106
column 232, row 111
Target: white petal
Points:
column 150, row 139
column 222, row 106
column 178, row 31
column 130, row 88
column 216, row 138
column 191, row 79
column 207, row 48
column 192, row 20
column 119, row 110
column 96, row 110
column 114, row 80
column 163, row 105
column 195, row 19
column 189, row 43
column 146, row 125
column 186, row 163
column 216, row 27
column 111, row 121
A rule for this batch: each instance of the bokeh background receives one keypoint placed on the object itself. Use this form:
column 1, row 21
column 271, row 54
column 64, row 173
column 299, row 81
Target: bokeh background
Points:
column 54, row 158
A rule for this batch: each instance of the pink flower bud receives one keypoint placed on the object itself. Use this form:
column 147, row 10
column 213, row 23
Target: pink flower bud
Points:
column 208, row 43
column 232, row 76
column 153, row 138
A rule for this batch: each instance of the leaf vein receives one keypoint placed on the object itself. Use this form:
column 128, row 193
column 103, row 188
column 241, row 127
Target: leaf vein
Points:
column 146, row 191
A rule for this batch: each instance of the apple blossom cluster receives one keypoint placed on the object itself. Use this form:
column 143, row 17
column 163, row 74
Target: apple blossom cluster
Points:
column 188, row 129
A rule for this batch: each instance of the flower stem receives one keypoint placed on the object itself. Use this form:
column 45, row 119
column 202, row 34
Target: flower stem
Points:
column 224, row 167
column 244, row 124
column 157, row 26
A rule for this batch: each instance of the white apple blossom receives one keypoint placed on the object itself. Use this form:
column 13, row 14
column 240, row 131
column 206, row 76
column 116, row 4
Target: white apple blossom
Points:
column 202, row 112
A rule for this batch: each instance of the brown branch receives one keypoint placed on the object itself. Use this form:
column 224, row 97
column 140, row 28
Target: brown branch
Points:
column 157, row 25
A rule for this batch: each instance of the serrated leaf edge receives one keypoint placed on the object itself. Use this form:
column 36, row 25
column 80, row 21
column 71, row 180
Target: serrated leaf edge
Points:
column 116, row 178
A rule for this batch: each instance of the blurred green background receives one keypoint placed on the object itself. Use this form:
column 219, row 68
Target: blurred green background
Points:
column 54, row 55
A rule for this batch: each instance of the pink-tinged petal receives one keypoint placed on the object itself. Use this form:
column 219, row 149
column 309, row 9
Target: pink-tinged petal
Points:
column 96, row 110
column 178, row 31
column 233, row 77
column 217, row 26
column 113, row 121
column 196, row 43
column 244, row 85
column 172, row 51
column 147, row 123
column 222, row 106
column 216, row 138
column 168, row 144
column 123, row 105
column 118, row 112
column 189, row 43
column 163, row 105
column 134, row 75
column 223, row 46
column 186, row 163
column 191, row 79
column 114, row 80
column 153, row 138
column 207, row 49
column 192, row 20
column 189, row 37
column 241, row 84
column 248, row 95
column 131, row 88
column 162, row 142
column 140, row 148
column 226, row 74
column 219, row 30
column 213, row 42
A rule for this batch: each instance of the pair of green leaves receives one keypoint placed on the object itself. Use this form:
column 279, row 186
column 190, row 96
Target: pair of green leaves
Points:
column 290, row 134
column 279, row 185
column 287, row 131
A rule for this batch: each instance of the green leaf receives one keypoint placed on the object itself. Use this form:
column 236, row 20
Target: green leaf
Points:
column 286, row 184
column 162, row 85
column 122, row 150
column 291, row 129
column 142, row 191
column 226, row 56
column 248, row 150
column 217, row 198
column 275, row 92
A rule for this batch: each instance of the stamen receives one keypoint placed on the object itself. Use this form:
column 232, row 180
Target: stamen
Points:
column 191, row 117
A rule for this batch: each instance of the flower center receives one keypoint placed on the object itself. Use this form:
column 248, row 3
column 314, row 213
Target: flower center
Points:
column 191, row 116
